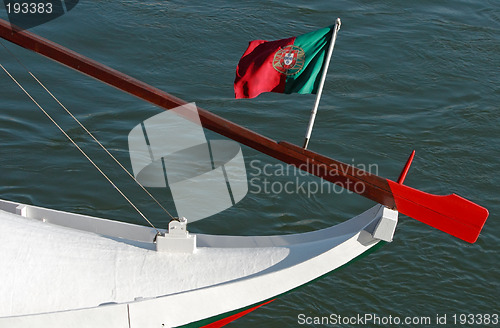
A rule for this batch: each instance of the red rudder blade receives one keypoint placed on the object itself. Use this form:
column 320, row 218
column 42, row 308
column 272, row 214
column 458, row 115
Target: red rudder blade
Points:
column 452, row 214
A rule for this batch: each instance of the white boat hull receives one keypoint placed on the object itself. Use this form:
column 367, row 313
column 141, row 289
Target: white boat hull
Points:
column 102, row 273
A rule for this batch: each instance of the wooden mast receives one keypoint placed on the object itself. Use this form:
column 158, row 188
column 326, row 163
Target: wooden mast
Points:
column 452, row 214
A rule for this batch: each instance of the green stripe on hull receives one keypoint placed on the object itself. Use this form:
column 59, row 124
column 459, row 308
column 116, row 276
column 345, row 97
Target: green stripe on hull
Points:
column 210, row 320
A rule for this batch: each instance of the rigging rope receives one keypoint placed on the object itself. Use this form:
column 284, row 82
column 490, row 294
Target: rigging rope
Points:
column 89, row 133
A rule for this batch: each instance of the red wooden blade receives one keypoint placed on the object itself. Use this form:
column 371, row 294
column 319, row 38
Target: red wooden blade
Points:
column 452, row 214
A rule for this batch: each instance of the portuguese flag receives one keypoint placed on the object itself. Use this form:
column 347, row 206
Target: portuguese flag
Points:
column 290, row 65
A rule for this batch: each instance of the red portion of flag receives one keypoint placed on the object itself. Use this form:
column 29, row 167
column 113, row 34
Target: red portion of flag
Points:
column 255, row 72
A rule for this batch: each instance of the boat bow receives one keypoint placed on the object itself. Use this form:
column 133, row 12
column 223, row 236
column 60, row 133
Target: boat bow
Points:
column 97, row 268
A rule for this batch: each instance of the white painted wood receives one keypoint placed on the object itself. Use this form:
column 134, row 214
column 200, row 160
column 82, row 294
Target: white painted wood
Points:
column 154, row 289
column 386, row 226
column 177, row 239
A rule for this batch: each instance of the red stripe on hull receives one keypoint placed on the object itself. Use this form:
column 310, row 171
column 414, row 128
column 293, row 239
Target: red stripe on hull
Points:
column 225, row 321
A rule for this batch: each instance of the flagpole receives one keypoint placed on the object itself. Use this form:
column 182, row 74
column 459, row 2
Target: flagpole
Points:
column 321, row 83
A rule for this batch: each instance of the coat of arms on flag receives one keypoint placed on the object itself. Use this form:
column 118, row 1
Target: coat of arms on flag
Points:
column 289, row 60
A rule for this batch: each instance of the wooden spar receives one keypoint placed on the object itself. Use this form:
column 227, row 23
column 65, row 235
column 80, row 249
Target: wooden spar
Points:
column 209, row 120
column 456, row 216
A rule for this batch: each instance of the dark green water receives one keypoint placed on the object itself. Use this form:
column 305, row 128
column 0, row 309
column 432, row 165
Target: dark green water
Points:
column 404, row 76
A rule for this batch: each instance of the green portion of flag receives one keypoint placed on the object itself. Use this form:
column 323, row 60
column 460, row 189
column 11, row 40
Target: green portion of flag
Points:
column 315, row 46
